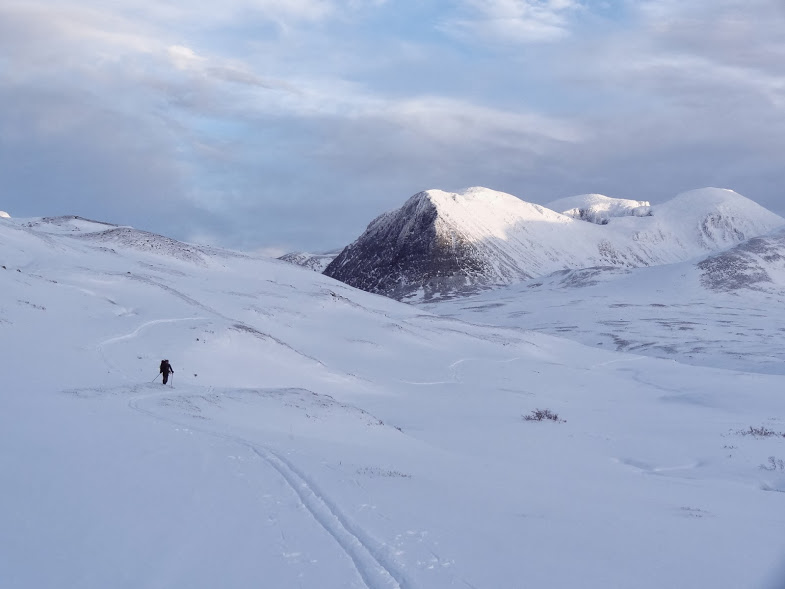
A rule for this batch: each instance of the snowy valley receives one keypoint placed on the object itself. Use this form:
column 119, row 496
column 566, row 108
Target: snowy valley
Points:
column 318, row 436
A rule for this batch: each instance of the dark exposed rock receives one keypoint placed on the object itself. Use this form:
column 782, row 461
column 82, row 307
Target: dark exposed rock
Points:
column 747, row 265
column 409, row 250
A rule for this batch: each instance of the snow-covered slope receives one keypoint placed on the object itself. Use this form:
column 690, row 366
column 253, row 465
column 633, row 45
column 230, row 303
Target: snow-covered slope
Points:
column 112, row 236
column 320, row 436
column 440, row 244
column 720, row 311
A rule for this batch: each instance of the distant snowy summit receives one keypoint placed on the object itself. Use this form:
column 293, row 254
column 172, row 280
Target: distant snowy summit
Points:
column 600, row 209
column 316, row 262
column 443, row 244
column 4, row 215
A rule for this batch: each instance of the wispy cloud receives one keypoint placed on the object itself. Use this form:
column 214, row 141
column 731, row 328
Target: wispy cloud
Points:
column 519, row 21
column 187, row 60
column 449, row 122
column 698, row 54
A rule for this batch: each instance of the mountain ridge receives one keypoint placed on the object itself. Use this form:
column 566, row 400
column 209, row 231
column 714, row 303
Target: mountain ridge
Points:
column 441, row 244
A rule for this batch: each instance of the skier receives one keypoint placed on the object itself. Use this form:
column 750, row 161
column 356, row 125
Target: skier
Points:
column 165, row 369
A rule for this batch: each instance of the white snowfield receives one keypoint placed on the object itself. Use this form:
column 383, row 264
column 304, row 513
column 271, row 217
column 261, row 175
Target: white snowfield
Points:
column 316, row 436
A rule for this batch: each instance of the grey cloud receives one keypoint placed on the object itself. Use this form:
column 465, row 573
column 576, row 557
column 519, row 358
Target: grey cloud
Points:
column 722, row 37
column 59, row 155
column 682, row 108
column 303, row 141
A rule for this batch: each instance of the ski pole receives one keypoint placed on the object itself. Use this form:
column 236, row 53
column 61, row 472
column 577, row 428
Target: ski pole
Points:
column 156, row 377
column 172, row 377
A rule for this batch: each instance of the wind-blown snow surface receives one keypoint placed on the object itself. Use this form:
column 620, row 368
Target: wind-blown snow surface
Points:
column 319, row 436
column 441, row 244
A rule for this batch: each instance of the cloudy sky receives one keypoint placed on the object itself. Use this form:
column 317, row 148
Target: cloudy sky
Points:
column 280, row 125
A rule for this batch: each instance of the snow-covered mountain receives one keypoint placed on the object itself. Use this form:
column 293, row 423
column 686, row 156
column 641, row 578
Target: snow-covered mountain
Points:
column 315, row 435
column 440, row 244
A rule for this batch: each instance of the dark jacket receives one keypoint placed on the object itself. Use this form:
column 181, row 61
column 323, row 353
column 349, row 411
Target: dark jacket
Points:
column 166, row 368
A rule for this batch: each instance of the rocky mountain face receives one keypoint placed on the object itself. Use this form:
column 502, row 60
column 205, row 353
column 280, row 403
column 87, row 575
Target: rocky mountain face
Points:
column 412, row 249
column 755, row 264
column 440, row 244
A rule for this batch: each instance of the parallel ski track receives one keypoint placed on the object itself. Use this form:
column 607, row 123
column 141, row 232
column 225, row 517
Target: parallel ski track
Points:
column 367, row 555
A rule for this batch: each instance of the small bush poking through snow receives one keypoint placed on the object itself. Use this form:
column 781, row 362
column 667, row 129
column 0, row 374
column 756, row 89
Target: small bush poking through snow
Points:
column 774, row 464
column 379, row 472
column 543, row 414
column 760, row 432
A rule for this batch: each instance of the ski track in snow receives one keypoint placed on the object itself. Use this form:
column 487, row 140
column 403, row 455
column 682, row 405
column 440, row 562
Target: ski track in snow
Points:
column 135, row 333
column 143, row 326
column 235, row 324
column 609, row 362
column 176, row 293
column 367, row 555
column 367, row 559
column 454, row 372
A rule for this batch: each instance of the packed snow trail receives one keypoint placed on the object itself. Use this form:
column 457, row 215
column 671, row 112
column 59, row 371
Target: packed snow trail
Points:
column 369, row 561
column 146, row 324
